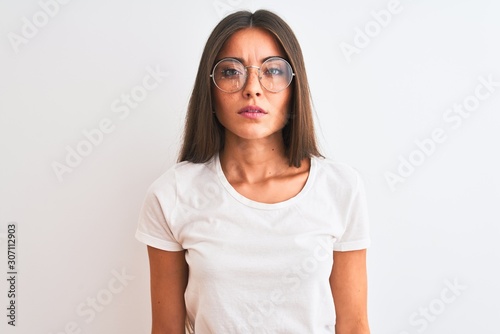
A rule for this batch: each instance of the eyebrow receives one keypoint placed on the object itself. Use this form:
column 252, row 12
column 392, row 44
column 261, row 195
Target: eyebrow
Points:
column 243, row 62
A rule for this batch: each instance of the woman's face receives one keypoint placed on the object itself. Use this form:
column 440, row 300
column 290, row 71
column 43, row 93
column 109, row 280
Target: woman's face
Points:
column 253, row 112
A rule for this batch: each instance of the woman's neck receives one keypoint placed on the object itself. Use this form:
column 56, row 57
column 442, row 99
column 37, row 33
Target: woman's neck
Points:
column 253, row 161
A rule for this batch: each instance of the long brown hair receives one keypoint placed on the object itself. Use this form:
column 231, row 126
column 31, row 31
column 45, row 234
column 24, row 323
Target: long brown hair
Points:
column 204, row 135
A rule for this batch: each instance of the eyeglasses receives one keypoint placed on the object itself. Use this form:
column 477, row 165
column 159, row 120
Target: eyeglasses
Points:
column 230, row 75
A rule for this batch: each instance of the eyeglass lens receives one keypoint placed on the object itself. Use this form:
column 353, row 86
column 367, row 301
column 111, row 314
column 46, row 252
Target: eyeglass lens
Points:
column 230, row 75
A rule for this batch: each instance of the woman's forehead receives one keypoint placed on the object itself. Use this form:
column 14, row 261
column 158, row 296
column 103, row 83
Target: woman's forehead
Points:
column 251, row 44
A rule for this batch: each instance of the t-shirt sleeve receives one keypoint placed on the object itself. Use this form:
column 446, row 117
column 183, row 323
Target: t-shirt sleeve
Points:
column 153, row 227
column 356, row 235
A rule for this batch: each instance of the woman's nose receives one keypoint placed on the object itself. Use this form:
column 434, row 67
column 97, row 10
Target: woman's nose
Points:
column 252, row 85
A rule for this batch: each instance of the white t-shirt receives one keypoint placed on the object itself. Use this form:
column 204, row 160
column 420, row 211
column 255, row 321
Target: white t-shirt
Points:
column 256, row 267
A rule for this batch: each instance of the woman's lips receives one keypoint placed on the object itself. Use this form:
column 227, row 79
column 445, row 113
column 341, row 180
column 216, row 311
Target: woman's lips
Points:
column 252, row 112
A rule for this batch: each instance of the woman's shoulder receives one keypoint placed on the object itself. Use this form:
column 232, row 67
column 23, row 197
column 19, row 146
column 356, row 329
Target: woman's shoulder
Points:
column 182, row 172
column 339, row 172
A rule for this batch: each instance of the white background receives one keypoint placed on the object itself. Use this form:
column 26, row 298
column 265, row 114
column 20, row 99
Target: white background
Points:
column 75, row 235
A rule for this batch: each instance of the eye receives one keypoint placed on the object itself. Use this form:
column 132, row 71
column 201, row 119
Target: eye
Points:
column 274, row 68
column 274, row 71
column 230, row 72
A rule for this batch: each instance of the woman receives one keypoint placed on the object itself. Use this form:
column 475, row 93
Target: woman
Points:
column 253, row 231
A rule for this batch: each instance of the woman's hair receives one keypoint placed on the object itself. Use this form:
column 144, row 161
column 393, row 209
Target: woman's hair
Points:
column 203, row 133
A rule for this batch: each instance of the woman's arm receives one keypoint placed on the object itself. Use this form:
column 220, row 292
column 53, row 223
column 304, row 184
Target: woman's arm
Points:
column 169, row 275
column 349, row 289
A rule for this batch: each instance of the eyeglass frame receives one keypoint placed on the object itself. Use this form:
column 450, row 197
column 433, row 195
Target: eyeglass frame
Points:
column 246, row 73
